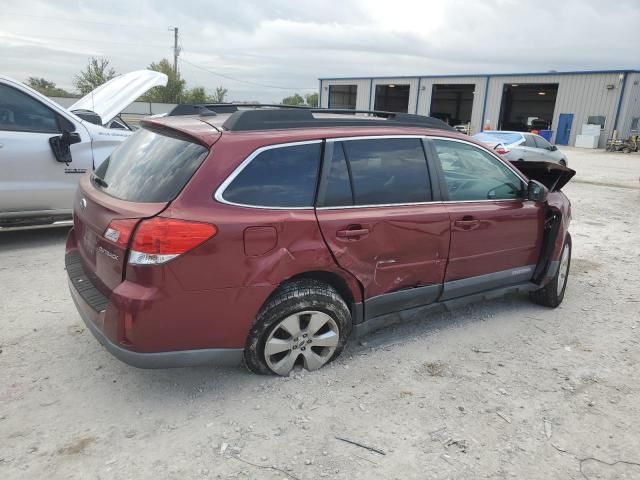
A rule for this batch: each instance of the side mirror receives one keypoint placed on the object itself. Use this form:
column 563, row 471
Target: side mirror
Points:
column 536, row 191
column 61, row 143
column 553, row 148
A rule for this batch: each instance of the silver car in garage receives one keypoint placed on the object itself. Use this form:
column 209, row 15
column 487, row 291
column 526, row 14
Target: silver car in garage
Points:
column 521, row 146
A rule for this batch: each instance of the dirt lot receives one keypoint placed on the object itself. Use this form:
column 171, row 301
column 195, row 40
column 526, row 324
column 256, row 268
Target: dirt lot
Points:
column 504, row 389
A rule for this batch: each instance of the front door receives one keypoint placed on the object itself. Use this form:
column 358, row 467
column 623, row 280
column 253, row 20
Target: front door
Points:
column 32, row 179
column 377, row 216
column 495, row 232
column 564, row 128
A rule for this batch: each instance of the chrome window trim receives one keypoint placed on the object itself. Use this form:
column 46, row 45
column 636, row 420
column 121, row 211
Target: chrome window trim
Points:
column 219, row 194
column 386, row 205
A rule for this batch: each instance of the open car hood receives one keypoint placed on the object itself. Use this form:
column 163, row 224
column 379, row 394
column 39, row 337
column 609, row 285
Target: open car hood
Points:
column 552, row 175
column 110, row 98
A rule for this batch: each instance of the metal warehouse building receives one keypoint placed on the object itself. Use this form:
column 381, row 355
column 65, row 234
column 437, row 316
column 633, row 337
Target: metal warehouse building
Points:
column 560, row 101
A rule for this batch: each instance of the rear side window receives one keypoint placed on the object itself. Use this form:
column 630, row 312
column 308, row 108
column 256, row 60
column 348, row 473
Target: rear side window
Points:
column 529, row 142
column 387, row 171
column 337, row 187
column 278, row 177
column 542, row 143
column 150, row 167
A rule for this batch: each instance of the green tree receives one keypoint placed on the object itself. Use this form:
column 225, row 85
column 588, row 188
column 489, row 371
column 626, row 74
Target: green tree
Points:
column 173, row 92
column 294, row 99
column 97, row 72
column 195, row 95
column 47, row 88
column 311, row 99
column 219, row 95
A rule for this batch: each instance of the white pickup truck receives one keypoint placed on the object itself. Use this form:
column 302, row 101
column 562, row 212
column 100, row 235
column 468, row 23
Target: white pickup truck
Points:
column 45, row 148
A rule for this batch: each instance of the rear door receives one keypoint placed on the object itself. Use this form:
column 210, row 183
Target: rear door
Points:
column 380, row 217
column 137, row 181
column 495, row 233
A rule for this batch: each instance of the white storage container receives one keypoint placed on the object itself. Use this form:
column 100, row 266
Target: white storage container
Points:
column 587, row 141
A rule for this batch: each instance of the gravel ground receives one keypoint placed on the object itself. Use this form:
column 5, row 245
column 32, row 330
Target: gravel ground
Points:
column 502, row 389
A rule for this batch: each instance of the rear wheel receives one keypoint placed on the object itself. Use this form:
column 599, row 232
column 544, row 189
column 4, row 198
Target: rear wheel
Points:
column 305, row 324
column 553, row 293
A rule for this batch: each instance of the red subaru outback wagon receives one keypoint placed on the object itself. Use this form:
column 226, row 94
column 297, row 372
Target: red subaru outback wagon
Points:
column 270, row 235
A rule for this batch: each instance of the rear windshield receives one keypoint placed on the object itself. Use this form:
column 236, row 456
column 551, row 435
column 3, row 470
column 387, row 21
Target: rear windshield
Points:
column 149, row 167
column 501, row 137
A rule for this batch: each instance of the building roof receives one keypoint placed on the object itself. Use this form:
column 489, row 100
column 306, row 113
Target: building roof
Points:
column 458, row 75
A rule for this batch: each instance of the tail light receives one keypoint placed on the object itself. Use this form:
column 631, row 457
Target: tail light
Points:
column 159, row 239
column 119, row 231
column 502, row 150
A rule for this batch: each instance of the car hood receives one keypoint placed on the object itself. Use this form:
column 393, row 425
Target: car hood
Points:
column 552, row 175
column 110, row 98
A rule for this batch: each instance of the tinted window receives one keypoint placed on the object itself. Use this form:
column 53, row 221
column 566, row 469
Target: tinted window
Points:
column 541, row 142
column 278, row 177
column 529, row 142
column 149, row 167
column 473, row 174
column 337, row 186
column 21, row 113
column 385, row 171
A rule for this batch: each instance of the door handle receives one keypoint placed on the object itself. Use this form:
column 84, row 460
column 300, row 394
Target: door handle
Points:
column 467, row 223
column 353, row 233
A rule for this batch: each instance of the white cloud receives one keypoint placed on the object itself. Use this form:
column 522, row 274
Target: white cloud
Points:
column 292, row 43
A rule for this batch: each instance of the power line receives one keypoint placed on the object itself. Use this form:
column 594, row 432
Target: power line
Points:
column 84, row 40
column 42, row 17
column 229, row 77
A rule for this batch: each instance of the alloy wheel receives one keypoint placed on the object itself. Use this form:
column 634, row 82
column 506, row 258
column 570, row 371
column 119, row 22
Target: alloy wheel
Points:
column 309, row 338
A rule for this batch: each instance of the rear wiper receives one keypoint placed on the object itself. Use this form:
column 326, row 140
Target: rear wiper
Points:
column 99, row 181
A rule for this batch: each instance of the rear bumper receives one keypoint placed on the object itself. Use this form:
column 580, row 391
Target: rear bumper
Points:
column 91, row 306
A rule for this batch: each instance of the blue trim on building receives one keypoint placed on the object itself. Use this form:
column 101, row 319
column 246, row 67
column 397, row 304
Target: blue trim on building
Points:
column 624, row 84
column 484, row 102
column 418, row 95
column 459, row 75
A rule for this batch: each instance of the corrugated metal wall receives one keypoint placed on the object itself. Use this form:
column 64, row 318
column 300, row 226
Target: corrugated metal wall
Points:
column 581, row 95
column 630, row 106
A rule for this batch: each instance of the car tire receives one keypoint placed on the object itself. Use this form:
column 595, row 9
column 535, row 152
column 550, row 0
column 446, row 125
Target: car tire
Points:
column 283, row 335
column 563, row 163
column 552, row 294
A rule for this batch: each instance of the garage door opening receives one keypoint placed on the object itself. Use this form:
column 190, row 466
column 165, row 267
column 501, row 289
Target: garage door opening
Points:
column 527, row 107
column 392, row 98
column 452, row 103
column 343, row 97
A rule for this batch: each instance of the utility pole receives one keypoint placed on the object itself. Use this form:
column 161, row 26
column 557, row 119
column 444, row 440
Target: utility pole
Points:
column 176, row 51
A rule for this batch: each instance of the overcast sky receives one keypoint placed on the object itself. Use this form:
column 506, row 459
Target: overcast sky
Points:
column 290, row 44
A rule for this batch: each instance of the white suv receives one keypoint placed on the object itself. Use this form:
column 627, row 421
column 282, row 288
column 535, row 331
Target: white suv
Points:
column 44, row 148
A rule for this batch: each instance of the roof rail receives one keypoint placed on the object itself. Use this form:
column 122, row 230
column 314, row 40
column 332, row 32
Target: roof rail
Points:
column 254, row 116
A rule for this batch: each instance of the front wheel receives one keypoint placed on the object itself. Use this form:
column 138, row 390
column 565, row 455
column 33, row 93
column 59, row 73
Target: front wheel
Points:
column 553, row 293
column 305, row 324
